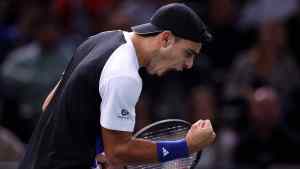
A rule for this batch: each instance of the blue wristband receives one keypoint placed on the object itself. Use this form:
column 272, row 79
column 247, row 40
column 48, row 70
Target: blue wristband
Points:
column 170, row 150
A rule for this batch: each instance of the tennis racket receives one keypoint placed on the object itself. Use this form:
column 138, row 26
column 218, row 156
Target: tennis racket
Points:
column 170, row 129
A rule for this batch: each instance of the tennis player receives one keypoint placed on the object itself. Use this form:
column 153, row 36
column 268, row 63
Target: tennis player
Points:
column 100, row 87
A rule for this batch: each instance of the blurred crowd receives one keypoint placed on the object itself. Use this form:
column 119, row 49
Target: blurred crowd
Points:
column 247, row 81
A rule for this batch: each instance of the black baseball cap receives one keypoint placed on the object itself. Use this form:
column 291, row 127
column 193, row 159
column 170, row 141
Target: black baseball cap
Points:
column 178, row 18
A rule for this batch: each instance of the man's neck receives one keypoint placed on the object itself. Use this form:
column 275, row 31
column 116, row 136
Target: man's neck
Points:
column 139, row 44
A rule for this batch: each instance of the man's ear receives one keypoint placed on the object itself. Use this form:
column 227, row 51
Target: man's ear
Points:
column 167, row 38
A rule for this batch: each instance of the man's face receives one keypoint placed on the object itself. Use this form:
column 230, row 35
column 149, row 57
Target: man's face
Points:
column 174, row 54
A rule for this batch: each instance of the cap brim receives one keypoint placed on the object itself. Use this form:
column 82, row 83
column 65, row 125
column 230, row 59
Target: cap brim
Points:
column 146, row 28
column 149, row 28
column 206, row 37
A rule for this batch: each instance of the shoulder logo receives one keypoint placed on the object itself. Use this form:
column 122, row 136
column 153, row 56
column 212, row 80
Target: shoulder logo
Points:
column 124, row 112
column 165, row 152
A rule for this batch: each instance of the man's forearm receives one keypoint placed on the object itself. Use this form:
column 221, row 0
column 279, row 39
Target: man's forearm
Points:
column 136, row 151
column 122, row 148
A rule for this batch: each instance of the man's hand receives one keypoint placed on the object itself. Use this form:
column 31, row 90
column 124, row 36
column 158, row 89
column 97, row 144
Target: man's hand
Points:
column 200, row 135
column 101, row 158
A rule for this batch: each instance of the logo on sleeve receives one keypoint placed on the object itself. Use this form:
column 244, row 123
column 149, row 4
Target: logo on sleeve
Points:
column 124, row 112
column 125, row 115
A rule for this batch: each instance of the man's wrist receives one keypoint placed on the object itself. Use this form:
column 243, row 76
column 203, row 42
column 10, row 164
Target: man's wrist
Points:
column 170, row 150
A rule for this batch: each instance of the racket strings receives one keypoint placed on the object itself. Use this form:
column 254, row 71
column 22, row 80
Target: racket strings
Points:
column 167, row 133
column 183, row 163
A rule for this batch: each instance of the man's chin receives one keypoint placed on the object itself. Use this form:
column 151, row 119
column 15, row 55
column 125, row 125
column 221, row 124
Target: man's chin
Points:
column 160, row 73
column 156, row 73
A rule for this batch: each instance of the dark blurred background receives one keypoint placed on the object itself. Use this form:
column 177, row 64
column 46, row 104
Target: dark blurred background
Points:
column 247, row 81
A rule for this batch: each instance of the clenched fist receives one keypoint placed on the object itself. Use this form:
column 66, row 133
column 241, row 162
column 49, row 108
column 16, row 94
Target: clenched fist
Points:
column 200, row 135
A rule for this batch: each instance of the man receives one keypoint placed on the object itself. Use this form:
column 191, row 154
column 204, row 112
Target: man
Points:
column 102, row 83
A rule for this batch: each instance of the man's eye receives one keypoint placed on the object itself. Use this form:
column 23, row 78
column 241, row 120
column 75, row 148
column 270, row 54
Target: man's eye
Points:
column 189, row 55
